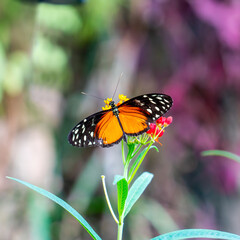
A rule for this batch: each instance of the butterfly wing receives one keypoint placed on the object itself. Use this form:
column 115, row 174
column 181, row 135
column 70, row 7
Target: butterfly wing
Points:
column 108, row 130
column 136, row 113
column 100, row 129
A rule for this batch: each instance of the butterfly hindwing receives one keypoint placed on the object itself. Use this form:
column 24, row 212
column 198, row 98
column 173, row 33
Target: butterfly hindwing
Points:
column 153, row 105
column 83, row 134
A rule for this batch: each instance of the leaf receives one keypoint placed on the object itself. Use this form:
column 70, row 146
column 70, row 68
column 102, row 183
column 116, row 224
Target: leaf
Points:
column 122, row 187
column 197, row 233
column 117, row 178
column 221, row 153
column 131, row 148
column 63, row 204
column 139, row 158
column 136, row 190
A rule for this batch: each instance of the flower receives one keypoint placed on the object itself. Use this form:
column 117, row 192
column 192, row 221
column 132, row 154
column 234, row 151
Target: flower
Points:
column 122, row 99
column 107, row 101
column 156, row 130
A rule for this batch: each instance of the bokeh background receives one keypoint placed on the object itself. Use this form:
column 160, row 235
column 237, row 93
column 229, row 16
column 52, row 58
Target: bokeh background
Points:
column 49, row 53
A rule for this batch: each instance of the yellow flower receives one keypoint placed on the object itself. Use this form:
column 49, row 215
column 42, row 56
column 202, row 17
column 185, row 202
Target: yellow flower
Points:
column 107, row 101
column 106, row 107
column 123, row 98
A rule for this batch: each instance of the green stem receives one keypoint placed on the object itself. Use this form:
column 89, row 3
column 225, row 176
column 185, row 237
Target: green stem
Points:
column 136, row 151
column 125, row 173
column 120, row 228
column 123, row 154
column 139, row 163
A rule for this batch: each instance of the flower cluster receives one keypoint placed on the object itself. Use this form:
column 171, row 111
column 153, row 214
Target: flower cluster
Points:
column 157, row 130
column 121, row 97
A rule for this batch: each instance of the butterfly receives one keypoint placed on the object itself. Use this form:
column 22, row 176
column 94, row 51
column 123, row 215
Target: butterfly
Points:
column 109, row 127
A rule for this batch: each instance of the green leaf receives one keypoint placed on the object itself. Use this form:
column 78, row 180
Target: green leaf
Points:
column 122, row 187
column 197, row 233
column 63, row 204
column 136, row 190
column 139, row 158
column 221, row 153
column 131, row 148
column 117, row 178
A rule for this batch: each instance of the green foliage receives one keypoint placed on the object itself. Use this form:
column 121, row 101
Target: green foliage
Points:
column 122, row 189
column 136, row 190
column 16, row 73
column 63, row 204
column 197, row 233
column 117, row 178
column 59, row 17
column 221, row 153
column 139, row 158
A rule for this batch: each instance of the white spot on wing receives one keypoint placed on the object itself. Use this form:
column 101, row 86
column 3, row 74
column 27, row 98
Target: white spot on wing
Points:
column 144, row 96
column 159, row 98
column 73, row 137
column 149, row 110
column 76, row 131
column 85, row 120
column 85, row 138
column 157, row 108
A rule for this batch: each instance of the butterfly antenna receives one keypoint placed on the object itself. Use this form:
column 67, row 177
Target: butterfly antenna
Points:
column 90, row 95
column 117, row 85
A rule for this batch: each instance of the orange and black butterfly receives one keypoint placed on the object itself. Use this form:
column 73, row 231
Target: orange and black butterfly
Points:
column 110, row 126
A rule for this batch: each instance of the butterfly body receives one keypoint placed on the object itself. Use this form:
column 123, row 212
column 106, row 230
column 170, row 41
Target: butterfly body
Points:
column 109, row 127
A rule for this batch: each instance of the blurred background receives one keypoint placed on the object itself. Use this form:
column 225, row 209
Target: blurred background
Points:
column 49, row 53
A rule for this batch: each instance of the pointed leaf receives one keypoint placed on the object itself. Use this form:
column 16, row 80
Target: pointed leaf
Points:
column 136, row 190
column 221, row 154
column 117, row 178
column 122, row 187
column 63, row 204
column 197, row 233
column 131, row 148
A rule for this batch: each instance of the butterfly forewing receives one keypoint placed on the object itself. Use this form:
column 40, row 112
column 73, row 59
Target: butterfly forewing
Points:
column 153, row 105
column 83, row 134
